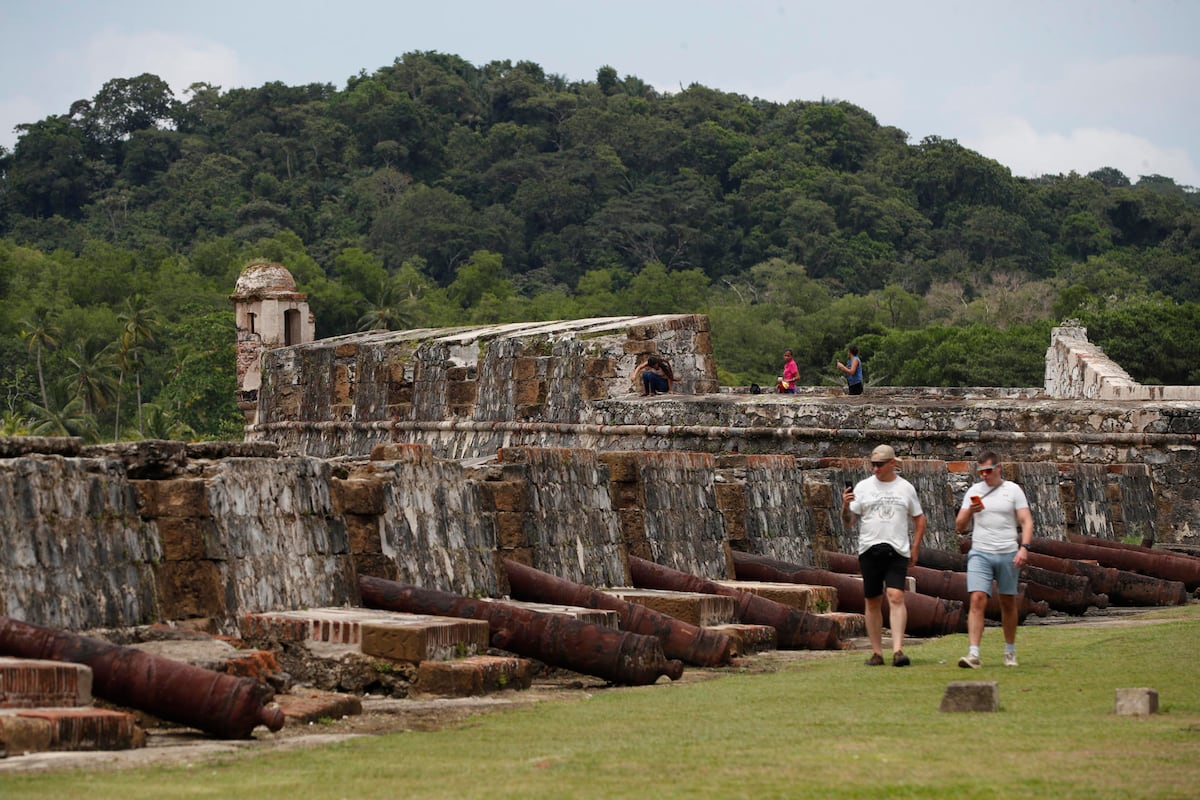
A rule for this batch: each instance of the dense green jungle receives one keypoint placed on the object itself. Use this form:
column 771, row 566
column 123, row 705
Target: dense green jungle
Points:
column 432, row 192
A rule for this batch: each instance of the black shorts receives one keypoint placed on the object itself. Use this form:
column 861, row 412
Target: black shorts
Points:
column 855, row 388
column 882, row 566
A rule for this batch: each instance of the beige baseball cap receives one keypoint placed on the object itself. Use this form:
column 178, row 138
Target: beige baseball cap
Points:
column 883, row 453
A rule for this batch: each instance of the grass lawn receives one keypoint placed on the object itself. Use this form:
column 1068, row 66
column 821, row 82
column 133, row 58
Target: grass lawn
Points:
column 824, row 728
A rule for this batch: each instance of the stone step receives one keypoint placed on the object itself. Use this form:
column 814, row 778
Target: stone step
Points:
column 802, row 597
column 704, row 610
column 387, row 634
column 37, row 730
column 34, row 683
column 750, row 638
column 466, row 677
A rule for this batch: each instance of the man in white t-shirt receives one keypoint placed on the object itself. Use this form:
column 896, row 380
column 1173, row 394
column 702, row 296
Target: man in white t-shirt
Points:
column 994, row 507
column 883, row 505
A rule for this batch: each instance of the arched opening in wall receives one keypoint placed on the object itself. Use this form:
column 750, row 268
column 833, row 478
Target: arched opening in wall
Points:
column 250, row 317
column 291, row 327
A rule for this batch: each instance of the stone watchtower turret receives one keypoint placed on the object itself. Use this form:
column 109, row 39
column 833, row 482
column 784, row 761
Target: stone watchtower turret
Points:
column 270, row 313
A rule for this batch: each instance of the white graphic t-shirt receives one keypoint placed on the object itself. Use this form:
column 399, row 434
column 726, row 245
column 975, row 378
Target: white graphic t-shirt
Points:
column 884, row 510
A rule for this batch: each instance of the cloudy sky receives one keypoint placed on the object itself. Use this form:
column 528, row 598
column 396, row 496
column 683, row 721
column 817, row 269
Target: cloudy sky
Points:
column 1043, row 86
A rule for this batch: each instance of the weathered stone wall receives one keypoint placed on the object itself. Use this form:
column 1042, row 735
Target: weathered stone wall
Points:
column 129, row 534
column 355, row 392
column 1078, row 368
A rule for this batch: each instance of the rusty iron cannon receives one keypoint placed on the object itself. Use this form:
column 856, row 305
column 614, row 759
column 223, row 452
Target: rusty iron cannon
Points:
column 1142, row 560
column 1071, row 594
column 554, row 639
column 222, row 705
column 1121, row 587
column 681, row 640
column 950, row 584
column 795, row 629
column 927, row 616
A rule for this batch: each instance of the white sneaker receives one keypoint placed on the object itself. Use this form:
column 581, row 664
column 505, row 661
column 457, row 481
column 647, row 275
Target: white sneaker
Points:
column 1010, row 659
column 970, row 662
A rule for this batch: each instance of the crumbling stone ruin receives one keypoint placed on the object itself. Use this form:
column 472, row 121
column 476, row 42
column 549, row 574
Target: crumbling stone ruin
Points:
column 429, row 457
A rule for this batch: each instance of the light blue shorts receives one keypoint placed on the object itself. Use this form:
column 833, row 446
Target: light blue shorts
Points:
column 982, row 568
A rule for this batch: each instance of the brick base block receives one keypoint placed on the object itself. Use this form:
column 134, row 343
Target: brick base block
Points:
column 36, row 683
column 465, row 677
column 31, row 730
column 750, row 638
column 850, row 625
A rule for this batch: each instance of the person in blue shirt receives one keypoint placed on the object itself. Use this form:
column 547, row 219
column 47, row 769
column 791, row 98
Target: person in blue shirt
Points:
column 853, row 370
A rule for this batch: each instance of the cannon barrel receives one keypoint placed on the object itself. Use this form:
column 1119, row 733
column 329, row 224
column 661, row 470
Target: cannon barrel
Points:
column 1144, row 561
column 682, row 640
column 1122, row 587
column 927, row 616
column 795, row 629
column 949, row 584
column 222, row 705
column 1069, row 592
column 554, row 639
column 1137, row 548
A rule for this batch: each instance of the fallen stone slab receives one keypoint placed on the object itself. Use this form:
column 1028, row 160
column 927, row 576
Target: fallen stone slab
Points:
column 310, row 705
column 40, row 683
column 1136, row 702
column 971, row 696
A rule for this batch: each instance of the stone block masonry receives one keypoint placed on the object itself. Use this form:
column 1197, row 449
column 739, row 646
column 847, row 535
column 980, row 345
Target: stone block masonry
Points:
column 227, row 530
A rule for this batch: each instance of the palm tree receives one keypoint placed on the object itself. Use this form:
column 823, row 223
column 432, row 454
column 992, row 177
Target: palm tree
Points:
column 141, row 328
column 91, row 380
column 162, row 424
column 63, row 419
column 13, row 424
column 39, row 333
column 393, row 310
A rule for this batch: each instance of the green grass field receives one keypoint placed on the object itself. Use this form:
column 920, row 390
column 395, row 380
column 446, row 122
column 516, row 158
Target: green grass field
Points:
column 824, row 728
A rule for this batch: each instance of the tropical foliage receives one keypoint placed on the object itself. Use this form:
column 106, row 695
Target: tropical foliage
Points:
column 435, row 192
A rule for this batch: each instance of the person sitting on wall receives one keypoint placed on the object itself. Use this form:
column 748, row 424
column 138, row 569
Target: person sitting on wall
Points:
column 791, row 374
column 655, row 376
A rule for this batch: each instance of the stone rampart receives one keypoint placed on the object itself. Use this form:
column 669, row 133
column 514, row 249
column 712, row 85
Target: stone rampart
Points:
column 160, row 531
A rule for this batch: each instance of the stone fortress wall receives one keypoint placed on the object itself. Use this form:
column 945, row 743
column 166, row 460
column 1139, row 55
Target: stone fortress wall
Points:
column 426, row 456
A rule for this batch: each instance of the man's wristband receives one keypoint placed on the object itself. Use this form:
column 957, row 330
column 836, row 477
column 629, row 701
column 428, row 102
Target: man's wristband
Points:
column 1023, row 546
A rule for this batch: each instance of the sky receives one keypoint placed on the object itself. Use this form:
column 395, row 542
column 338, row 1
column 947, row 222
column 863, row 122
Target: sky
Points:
column 1042, row 86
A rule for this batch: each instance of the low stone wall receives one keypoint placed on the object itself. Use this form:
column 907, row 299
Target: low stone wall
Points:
column 1078, row 368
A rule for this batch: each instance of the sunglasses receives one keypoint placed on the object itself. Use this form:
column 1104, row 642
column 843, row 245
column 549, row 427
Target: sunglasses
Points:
column 987, row 469
column 878, row 464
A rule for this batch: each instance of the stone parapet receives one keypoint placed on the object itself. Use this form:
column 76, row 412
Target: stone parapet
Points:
column 1078, row 368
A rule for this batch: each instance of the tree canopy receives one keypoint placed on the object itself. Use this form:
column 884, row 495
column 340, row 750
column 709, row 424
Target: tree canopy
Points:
column 436, row 192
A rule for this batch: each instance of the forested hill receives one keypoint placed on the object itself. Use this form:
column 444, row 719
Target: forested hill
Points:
column 436, row 192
